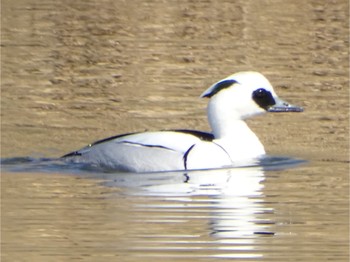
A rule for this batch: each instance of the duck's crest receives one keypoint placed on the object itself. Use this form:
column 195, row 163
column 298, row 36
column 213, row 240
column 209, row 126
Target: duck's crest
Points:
column 217, row 87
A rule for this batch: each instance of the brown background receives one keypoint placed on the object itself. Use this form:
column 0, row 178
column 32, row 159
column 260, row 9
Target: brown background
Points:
column 77, row 71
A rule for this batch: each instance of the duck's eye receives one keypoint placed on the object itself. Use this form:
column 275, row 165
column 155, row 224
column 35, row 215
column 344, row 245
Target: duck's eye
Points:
column 263, row 98
column 261, row 92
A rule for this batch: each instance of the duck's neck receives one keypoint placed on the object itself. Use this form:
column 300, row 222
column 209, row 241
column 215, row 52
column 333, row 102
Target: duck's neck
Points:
column 232, row 133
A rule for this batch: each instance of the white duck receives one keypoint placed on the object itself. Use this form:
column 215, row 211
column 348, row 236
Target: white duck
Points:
column 231, row 142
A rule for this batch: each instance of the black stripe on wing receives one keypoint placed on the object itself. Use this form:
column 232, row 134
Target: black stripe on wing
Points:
column 145, row 145
column 205, row 136
column 111, row 138
column 200, row 134
column 74, row 153
column 186, row 156
column 77, row 153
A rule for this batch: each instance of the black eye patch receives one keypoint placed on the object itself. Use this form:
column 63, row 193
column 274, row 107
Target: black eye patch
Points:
column 263, row 98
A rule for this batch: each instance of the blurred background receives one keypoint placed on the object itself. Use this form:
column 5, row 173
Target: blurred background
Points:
column 77, row 71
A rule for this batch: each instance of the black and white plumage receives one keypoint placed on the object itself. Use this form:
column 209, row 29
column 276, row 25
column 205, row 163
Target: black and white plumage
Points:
column 231, row 143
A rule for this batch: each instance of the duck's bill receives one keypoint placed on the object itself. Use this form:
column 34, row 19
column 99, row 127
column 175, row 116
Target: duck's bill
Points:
column 283, row 106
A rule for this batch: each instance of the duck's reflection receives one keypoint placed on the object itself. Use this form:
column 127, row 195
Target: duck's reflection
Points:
column 232, row 199
column 238, row 206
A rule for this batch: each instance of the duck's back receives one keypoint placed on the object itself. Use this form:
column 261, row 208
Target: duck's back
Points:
column 142, row 152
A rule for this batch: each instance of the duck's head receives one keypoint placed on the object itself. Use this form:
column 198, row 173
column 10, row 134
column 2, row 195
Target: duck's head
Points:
column 243, row 95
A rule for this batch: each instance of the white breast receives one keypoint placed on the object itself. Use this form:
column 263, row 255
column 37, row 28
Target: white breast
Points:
column 205, row 155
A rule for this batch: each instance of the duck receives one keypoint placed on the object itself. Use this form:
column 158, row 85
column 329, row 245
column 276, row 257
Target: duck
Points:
column 230, row 143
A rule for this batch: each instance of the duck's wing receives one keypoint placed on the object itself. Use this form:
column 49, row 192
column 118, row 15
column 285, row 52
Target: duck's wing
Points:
column 147, row 151
column 177, row 140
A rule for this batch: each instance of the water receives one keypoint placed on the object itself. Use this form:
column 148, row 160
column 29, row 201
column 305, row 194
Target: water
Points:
column 253, row 213
column 74, row 72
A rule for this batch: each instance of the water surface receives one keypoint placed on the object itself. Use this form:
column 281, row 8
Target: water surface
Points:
column 244, row 213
